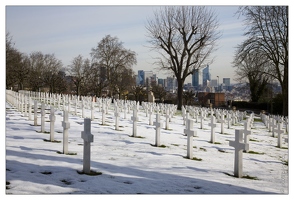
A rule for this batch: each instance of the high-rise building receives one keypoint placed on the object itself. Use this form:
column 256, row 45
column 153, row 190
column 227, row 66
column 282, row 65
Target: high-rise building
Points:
column 171, row 84
column 205, row 75
column 195, row 78
column 213, row 83
column 226, row 81
column 148, row 75
column 141, row 79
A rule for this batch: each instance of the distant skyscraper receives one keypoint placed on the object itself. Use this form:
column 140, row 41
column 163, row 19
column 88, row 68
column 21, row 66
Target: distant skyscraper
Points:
column 206, row 75
column 213, row 83
column 141, row 79
column 195, row 78
column 148, row 77
column 226, row 81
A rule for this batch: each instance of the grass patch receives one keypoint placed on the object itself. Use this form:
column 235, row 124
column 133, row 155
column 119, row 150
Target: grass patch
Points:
column 161, row 146
column 194, row 158
column 137, row 136
column 246, row 176
column 285, row 162
column 222, row 151
column 215, row 142
column 65, row 182
column 46, row 132
column 254, row 152
column 54, row 141
column 69, row 153
column 202, row 149
column 250, row 177
column 282, row 147
column 46, row 172
column 7, row 185
column 92, row 173
column 253, row 140
column 175, row 145
column 257, row 120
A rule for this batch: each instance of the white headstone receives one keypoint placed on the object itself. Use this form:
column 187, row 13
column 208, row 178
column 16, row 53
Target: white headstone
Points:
column 247, row 132
column 280, row 131
column 116, row 115
column 229, row 120
column 35, row 113
column 66, row 126
column 158, row 126
column 239, row 147
column 92, row 110
column 190, row 134
column 52, row 121
column 135, row 118
column 167, row 115
column 222, row 121
column 30, row 109
column 42, row 118
column 88, row 138
column 212, row 124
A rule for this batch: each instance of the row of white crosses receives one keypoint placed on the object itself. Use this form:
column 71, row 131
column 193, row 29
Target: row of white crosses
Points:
column 189, row 131
column 275, row 125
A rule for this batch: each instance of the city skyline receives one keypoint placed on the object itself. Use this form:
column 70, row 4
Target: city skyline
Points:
column 69, row 31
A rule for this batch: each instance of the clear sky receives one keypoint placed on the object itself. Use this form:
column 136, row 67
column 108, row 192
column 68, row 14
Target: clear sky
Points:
column 67, row 31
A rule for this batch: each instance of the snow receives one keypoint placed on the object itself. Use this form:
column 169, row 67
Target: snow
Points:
column 134, row 165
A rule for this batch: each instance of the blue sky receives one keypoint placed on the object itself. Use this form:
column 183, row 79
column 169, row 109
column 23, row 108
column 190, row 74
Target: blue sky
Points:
column 68, row 31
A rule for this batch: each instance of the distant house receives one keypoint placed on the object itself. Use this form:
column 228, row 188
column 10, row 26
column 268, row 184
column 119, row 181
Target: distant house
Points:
column 207, row 98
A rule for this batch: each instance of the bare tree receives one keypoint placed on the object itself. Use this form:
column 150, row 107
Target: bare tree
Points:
column 52, row 67
column 254, row 67
column 184, row 37
column 111, row 54
column 268, row 31
column 17, row 70
column 36, row 65
column 79, row 69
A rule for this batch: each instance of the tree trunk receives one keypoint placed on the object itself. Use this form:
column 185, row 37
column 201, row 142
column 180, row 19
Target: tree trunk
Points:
column 180, row 94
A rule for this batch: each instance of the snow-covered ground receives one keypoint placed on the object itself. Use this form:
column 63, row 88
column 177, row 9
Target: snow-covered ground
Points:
column 133, row 165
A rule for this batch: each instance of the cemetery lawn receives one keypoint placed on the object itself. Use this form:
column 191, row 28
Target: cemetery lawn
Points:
column 130, row 165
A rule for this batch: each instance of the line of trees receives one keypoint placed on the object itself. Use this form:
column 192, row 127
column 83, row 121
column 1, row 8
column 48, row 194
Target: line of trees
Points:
column 109, row 70
column 263, row 56
column 33, row 71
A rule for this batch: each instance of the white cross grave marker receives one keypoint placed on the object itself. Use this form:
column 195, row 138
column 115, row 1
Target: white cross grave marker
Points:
column 30, row 109
column 229, row 120
column 135, row 118
column 66, row 126
column 212, row 124
column 158, row 126
column 280, row 131
column 42, row 118
column 201, row 119
column 190, row 133
column 35, row 113
column 150, row 115
column 52, row 121
column 88, row 138
column 92, row 110
column 246, row 132
column 83, row 109
column 116, row 115
column 167, row 119
column 239, row 146
column 222, row 121
column 103, row 113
